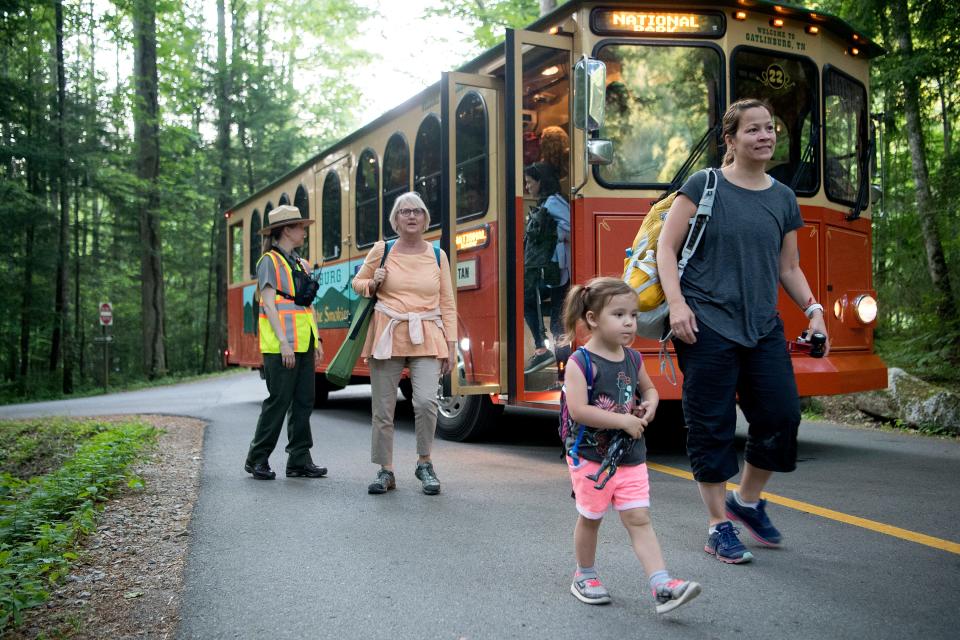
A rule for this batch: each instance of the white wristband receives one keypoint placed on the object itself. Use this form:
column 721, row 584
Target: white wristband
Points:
column 814, row 307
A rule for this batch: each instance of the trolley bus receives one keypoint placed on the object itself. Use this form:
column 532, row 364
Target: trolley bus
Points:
column 639, row 89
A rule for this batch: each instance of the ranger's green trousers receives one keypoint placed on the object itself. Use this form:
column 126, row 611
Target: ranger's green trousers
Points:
column 290, row 390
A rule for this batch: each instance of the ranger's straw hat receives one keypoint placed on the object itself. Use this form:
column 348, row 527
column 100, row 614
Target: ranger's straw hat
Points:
column 282, row 216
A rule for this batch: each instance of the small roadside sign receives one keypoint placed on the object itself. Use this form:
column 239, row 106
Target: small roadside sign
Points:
column 106, row 314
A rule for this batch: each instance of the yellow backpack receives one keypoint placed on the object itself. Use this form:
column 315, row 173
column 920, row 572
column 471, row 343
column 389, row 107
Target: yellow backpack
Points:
column 640, row 265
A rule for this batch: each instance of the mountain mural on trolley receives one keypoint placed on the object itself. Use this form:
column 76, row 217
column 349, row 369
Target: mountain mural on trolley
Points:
column 336, row 299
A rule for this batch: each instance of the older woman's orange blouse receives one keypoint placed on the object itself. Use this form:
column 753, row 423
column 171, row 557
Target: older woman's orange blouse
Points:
column 414, row 284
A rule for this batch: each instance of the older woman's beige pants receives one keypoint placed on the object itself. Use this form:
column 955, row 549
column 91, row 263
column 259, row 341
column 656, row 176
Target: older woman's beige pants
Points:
column 384, row 378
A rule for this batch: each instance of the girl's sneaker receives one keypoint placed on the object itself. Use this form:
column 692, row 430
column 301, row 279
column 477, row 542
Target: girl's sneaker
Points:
column 589, row 589
column 674, row 593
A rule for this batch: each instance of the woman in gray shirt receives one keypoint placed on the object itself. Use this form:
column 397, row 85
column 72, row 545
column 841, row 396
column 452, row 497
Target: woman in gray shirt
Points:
column 727, row 333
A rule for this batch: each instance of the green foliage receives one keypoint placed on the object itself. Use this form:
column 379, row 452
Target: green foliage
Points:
column 489, row 19
column 41, row 518
column 285, row 101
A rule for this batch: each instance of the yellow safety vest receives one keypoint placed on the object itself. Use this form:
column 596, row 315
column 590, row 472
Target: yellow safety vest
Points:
column 297, row 322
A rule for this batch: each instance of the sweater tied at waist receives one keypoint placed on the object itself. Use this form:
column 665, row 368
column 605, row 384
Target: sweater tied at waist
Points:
column 383, row 350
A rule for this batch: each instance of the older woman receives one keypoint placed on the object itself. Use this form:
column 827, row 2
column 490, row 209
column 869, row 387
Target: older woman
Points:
column 414, row 325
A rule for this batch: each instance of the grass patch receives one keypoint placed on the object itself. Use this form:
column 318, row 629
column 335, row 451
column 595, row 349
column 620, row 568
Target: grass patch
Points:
column 43, row 515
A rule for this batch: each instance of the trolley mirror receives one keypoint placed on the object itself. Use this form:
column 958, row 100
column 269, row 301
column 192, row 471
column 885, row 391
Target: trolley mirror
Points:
column 589, row 81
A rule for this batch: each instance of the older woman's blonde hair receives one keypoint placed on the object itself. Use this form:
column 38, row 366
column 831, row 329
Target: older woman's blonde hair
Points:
column 409, row 200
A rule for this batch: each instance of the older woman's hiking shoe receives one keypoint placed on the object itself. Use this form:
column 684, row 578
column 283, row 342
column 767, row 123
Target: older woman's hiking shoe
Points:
column 726, row 546
column 755, row 520
column 589, row 589
column 384, row 482
column 426, row 475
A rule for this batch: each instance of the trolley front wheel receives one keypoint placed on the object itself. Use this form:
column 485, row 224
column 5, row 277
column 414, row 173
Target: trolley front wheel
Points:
column 463, row 417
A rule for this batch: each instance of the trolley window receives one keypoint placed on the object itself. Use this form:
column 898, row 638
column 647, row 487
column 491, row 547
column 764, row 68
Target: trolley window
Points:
column 396, row 177
column 256, row 242
column 789, row 83
column 845, row 135
column 427, row 166
column 284, row 199
column 300, row 202
column 472, row 183
column 662, row 102
column 331, row 203
column 368, row 192
column 236, row 253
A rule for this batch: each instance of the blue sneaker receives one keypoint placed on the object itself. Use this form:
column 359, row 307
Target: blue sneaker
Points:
column 755, row 520
column 726, row 546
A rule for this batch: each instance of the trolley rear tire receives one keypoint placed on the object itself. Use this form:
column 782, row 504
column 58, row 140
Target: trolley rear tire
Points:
column 462, row 418
column 321, row 390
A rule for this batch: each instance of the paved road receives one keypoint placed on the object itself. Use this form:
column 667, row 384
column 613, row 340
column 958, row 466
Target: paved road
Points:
column 491, row 556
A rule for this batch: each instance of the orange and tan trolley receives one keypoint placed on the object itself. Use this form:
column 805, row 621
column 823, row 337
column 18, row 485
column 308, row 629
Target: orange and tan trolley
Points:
column 637, row 91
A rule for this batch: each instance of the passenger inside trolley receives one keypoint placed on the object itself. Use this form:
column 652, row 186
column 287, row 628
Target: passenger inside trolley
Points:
column 546, row 97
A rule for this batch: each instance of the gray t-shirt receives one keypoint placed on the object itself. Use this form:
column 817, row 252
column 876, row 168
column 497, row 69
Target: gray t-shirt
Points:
column 614, row 390
column 731, row 281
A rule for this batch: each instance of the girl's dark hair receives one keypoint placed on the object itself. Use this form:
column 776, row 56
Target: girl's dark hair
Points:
column 731, row 121
column 546, row 176
column 592, row 296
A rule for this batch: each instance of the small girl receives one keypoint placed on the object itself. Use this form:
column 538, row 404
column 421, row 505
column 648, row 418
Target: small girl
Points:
column 607, row 306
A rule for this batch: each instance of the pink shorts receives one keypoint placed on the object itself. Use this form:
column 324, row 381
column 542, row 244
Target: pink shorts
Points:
column 629, row 488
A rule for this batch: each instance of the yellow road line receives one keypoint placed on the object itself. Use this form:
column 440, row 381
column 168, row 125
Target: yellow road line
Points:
column 873, row 525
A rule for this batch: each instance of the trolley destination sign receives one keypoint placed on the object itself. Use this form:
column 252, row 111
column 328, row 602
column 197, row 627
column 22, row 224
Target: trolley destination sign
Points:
column 615, row 21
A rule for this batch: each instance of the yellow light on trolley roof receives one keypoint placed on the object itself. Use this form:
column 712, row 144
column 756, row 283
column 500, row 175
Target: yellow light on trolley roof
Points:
column 812, row 29
column 739, row 15
column 550, row 71
column 856, row 37
column 777, row 22
column 854, row 51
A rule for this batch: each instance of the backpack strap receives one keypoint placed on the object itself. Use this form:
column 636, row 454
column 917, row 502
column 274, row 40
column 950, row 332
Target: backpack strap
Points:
column 698, row 222
column 436, row 253
column 588, row 374
column 386, row 249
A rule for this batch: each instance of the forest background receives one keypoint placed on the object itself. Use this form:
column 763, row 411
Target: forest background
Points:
column 113, row 186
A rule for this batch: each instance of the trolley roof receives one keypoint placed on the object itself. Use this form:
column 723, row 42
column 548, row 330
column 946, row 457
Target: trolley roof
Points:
column 835, row 25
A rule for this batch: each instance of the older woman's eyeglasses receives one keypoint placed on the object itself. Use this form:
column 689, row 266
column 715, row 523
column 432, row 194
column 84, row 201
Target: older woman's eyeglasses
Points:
column 406, row 213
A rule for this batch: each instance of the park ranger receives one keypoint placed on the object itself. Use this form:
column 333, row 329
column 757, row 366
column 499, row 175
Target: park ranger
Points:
column 288, row 342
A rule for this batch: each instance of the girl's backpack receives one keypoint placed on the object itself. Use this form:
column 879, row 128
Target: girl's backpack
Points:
column 640, row 265
column 567, row 424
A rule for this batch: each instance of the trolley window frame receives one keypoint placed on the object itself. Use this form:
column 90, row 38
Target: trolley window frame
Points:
column 721, row 100
column 863, row 162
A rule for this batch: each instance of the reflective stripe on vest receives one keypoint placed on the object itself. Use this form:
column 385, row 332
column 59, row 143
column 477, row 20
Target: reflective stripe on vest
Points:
column 296, row 322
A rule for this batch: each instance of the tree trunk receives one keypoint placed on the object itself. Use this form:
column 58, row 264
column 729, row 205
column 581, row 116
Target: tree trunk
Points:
column 60, row 346
column 218, row 255
column 147, row 143
column 546, row 6
column 936, row 263
column 945, row 111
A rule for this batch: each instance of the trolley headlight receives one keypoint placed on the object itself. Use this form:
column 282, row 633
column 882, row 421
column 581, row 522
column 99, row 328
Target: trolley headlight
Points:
column 464, row 344
column 866, row 308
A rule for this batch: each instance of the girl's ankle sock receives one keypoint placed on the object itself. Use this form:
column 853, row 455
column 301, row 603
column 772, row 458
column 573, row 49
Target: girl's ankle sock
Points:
column 657, row 578
column 587, row 572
